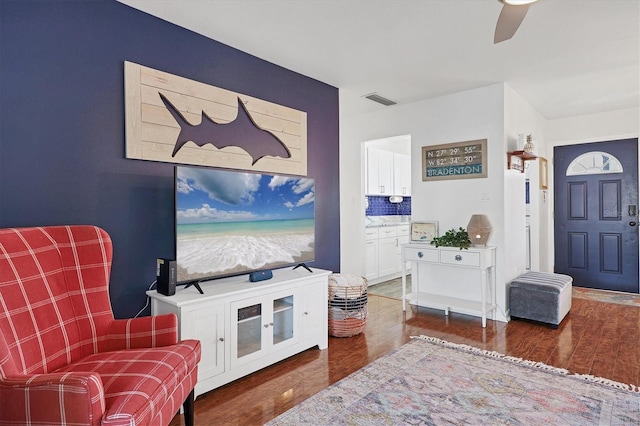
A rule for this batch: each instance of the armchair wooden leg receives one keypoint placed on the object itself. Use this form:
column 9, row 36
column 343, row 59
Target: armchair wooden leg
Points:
column 188, row 408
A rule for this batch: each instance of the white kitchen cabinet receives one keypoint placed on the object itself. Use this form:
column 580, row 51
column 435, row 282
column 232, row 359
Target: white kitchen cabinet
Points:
column 387, row 256
column 403, row 230
column 383, row 254
column 244, row 326
column 401, row 174
column 387, row 232
column 388, row 173
column 403, row 238
column 371, row 254
column 371, row 233
column 379, row 172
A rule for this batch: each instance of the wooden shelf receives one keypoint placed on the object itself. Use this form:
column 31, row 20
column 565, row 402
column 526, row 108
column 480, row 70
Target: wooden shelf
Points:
column 446, row 303
column 518, row 164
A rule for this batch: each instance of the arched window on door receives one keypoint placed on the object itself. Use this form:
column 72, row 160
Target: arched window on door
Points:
column 594, row 163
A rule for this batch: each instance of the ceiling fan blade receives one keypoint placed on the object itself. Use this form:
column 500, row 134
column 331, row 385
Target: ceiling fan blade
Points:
column 508, row 22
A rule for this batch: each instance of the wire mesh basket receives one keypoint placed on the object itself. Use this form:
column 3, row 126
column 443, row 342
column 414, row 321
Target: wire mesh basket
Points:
column 347, row 304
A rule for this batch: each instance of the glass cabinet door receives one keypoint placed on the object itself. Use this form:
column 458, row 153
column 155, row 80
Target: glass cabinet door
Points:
column 249, row 330
column 263, row 324
column 282, row 319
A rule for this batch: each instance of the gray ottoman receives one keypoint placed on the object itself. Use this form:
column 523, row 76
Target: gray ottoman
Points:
column 540, row 296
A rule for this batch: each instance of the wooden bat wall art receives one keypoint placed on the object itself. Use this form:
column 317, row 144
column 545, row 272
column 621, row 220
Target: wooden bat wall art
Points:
column 177, row 120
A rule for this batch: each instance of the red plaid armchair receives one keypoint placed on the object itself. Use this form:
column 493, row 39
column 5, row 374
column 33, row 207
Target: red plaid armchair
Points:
column 63, row 357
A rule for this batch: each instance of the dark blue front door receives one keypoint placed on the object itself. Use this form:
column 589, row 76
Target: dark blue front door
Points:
column 596, row 214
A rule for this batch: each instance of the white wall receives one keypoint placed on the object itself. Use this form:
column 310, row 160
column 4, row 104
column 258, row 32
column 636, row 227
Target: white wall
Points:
column 400, row 144
column 612, row 125
column 498, row 114
column 522, row 118
column 475, row 114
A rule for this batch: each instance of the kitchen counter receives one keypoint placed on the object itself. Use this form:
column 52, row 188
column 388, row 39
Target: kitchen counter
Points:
column 383, row 225
column 382, row 221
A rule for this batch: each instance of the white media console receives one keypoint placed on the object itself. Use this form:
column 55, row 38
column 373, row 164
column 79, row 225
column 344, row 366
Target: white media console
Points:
column 244, row 326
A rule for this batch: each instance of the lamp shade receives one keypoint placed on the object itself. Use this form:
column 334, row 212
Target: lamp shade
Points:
column 479, row 229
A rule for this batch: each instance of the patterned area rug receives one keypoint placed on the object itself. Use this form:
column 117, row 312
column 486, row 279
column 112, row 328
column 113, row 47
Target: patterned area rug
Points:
column 430, row 381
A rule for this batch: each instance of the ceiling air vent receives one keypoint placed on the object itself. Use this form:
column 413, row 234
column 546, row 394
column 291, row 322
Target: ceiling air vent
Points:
column 379, row 99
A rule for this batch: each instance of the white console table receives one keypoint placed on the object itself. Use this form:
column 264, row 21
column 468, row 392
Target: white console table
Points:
column 244, row 326
column 443, row 260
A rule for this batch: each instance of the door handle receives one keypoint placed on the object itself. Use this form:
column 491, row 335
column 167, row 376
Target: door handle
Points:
column 632, row 223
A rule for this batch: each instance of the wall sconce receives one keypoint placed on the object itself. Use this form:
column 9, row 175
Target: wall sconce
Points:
column 479, row 230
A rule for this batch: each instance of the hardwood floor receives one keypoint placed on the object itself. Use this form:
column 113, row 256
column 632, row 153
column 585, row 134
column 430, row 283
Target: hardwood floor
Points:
column 597, row 338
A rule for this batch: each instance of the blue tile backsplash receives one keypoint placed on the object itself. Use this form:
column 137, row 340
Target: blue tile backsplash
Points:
column 381, row 206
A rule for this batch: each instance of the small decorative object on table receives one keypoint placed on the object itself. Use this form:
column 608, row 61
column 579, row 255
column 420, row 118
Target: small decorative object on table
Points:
column 453, row 238
column 479, row 230
column 423, row 232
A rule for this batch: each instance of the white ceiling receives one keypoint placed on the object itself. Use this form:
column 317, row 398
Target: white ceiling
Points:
column 569, row 57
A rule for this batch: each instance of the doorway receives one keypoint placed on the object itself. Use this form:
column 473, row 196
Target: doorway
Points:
column 387, row 205
column 596, row 214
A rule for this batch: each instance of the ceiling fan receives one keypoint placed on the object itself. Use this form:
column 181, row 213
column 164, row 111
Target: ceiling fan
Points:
column 511, row 16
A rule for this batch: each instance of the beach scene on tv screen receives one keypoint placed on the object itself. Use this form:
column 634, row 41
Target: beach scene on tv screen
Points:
column 231, row 222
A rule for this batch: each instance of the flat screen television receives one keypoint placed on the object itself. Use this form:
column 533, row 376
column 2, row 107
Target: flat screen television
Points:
column 231, row 223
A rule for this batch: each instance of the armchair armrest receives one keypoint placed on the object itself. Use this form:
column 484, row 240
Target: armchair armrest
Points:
column 144, row 332
column 55, row 398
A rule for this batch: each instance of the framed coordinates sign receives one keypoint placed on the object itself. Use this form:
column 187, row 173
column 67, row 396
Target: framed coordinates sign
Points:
column 460, row 160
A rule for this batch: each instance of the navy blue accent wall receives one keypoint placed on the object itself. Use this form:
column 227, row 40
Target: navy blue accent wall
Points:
column 381, row 206
column 62, row 128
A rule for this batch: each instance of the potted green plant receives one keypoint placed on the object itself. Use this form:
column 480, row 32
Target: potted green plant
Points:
column 453, row 238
